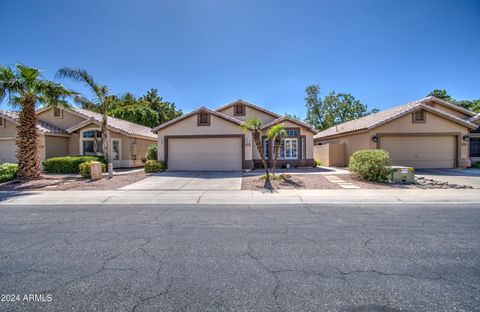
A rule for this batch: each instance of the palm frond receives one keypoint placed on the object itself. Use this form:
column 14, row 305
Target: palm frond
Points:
column 53, row 94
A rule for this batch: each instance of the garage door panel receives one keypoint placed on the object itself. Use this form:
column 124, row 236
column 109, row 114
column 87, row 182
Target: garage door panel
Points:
column 205, row 154
column 8, row 150
column 421, row 151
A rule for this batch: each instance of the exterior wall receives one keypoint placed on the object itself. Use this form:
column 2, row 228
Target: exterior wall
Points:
column 68, row 119
column 433, row 124
column 56, row 146
column 308, row 161
column 249, row 112
column 218, row 126
column 451, row 111
column 330, row 155
column 126, row 148
column 9, row 130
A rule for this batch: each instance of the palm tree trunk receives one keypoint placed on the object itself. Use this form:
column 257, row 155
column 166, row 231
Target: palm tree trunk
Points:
column 256, row 139
column 276, row 147
column 27, row 142
column 105, row 138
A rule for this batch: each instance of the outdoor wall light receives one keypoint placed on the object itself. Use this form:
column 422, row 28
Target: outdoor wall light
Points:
column 375, row 138
column 466, row 137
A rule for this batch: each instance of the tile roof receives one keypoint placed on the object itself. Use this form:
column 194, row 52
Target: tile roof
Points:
column 293, row 120
column 124, row 126
column 475, row 118
column 377, row 119
column 218, row 114
column 42, row 126
column 248, row 104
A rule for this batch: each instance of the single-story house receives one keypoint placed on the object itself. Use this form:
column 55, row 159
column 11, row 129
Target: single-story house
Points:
column 72, row 131
column 427, row 133
column 208, row 139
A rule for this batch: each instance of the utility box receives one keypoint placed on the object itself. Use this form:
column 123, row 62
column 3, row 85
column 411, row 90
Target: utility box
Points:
column 402, row 174
column 95, row 170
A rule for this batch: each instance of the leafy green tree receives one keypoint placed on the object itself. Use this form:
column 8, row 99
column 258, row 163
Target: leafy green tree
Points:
column 166, row 110
column 139, row 114
column 334, row 109
column 473, row 105
column 24, row 88
column 99, row 102
column 275, row 134
column 293, row 116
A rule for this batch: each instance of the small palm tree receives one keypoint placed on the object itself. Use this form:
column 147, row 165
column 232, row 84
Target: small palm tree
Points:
column 25, row 88
column 254, row 125
column 99, row 103
column 275, row 135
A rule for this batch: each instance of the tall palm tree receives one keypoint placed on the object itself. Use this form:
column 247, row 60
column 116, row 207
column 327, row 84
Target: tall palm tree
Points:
column 100, row 102
column 25, row 88
column 254, row 125
column 275, row 135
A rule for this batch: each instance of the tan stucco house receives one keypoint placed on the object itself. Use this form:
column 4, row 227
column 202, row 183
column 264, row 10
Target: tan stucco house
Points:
column 427, row 133
column 208, row 139
column 72, row 131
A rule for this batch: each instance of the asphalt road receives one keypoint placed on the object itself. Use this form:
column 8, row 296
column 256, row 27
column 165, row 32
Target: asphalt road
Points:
column 241, row 258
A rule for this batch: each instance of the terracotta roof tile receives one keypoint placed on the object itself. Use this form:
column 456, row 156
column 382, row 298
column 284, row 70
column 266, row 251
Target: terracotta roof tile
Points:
column 41, row 125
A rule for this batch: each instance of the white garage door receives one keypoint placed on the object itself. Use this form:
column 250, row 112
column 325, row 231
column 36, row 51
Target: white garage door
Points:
column 421, row 151
column 7, row 151
column 205, row 154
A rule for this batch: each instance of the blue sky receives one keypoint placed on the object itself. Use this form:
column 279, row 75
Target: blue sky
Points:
column 210, row 52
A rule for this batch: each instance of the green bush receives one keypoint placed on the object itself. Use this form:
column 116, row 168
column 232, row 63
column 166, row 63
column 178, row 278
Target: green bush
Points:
column 84, row 168
column 476, row 165
column 318, row 163
column 8, row 172
column 154, row 166
column 370, row 165
column 151, row 152
column 68, row 164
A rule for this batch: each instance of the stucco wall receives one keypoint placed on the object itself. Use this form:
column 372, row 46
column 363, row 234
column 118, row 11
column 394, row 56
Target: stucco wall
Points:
column 9, row 129
column 330, row 155
column 218, row 126
column 56, row 146
column 249, row 112
column 68, row 119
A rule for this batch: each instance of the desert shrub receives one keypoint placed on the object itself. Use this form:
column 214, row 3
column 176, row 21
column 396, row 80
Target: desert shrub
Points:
column 151, row 152
column 68, row 164
column 370, row 165
column 152, row 166
column 318, row 163
column 8, row 172
column 84, row 169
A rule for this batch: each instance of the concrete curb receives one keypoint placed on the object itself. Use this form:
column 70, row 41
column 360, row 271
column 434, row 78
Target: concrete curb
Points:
column 338, row 196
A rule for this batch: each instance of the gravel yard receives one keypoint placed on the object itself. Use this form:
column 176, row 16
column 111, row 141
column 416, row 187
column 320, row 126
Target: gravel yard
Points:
column 52, row 183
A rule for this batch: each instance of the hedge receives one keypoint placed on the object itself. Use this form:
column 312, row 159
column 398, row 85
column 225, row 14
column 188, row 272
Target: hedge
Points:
column 151, row 152
column 370, row 165
column 152, row 166
column 8, row 172
column 68, row 164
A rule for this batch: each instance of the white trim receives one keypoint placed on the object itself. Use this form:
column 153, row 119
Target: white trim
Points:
column 7, row 138
column 81, row 139
column 265, row 147
column 119, row 140
column 282, row 157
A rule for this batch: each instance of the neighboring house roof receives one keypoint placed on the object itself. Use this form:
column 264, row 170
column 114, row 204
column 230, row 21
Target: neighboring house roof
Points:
column 448, row 104
column 42, row 126
column 125, row 127
column 266, row 111
column 475, row 118
column 380, row 118
column 292, row 120
column 198, row 110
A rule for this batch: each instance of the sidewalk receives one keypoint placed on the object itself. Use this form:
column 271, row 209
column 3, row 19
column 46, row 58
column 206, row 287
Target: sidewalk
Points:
column 355, row 196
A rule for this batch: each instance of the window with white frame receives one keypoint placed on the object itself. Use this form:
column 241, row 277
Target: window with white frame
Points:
column 91, row 143
column 266, row 146
column 288, row 149
column 292, row 132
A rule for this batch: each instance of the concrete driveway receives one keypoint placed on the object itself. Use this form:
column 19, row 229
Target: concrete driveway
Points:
column 190, row 180
column 458, row 176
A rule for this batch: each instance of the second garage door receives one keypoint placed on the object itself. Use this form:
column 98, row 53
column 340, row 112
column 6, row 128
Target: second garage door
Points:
column 205, row 154
column 421, row 151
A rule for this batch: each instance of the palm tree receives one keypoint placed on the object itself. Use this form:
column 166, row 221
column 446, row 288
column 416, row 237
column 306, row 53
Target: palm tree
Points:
column 25, row 88
column 99, row 103
column 254, row 125
column 275, row 135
